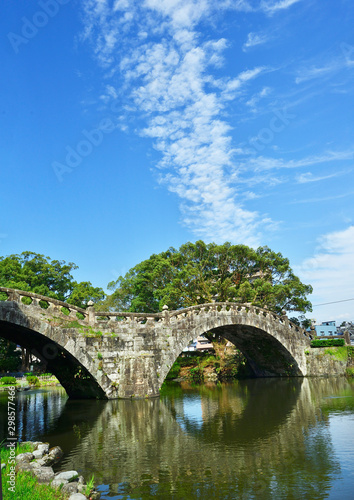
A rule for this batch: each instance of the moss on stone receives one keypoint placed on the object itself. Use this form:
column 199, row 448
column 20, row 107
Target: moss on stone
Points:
column 340, row 353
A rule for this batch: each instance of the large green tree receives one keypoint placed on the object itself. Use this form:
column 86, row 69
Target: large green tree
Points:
column 198, row 273
column 37, row 273
column 33, row 272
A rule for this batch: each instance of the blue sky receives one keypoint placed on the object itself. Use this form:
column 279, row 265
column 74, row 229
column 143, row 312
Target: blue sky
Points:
column 132, row 126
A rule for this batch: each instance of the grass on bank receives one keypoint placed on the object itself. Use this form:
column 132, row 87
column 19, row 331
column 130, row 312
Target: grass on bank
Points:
column 339, row 353
column 27, row 488
column 26, row 485
column 42, row 380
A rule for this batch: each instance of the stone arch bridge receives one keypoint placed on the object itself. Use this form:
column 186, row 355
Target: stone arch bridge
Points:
column 122, row 355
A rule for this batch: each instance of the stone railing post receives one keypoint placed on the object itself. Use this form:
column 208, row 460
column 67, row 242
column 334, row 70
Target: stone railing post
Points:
column 312, row 332
column 165, row 314
column 14, row 296
column 346, row 337
column 91, row 313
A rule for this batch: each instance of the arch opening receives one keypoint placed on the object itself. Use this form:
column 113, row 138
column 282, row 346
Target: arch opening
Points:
column 72, row 375
column 266, row 355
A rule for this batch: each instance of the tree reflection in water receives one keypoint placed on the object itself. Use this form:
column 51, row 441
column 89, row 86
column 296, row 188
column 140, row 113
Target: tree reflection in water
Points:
column 249, row 439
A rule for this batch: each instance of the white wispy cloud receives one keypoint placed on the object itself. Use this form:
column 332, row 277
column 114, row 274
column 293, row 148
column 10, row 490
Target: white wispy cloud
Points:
column 321, row 199
column 262, row 163
column 309, row 177
column 146, row 17
column 274, row 6
column 250, row 195
column 163, row 69
column 328, row 69
column 254, row 39
column 259, row 179
column 257, row 97
column 167, row 73
column 264, row 171
column 331, row 273
column 266, row 6
column 327, row 157
column 232, row 87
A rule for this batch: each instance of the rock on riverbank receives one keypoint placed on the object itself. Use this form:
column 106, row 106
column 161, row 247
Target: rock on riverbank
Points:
column 39, row 462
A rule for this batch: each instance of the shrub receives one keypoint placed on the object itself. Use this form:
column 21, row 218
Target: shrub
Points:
column 196, row 374
column 80, row 316
column 174, row 371
column 350, row 372
column 350, row 350
column 8, row 381
column 327, row 342
column 65, row 311
column 32, row 380
column 26, row 300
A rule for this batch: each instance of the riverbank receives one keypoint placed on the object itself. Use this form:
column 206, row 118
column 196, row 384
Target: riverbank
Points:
column 224, row 363
column 36, row 381
column 27, row 473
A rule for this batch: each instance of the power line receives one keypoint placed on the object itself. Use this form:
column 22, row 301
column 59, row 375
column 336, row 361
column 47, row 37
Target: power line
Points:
column 336, row 302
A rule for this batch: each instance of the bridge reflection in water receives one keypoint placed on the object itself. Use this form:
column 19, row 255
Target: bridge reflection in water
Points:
column 249, row 439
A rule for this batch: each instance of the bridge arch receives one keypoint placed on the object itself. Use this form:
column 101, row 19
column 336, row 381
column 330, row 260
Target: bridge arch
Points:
column 51, row 346
column 272, row 345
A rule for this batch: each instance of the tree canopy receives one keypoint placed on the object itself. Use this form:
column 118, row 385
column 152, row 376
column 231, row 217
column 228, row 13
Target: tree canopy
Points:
column 198, row 273
column 36, row 273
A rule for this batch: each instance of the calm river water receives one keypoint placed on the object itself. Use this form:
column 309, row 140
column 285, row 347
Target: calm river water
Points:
column 263, row 439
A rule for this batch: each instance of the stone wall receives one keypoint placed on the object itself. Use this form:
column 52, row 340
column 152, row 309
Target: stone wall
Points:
column 326, row 361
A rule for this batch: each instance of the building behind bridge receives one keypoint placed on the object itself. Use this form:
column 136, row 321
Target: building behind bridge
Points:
column 200, row 344
column 326, row 329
